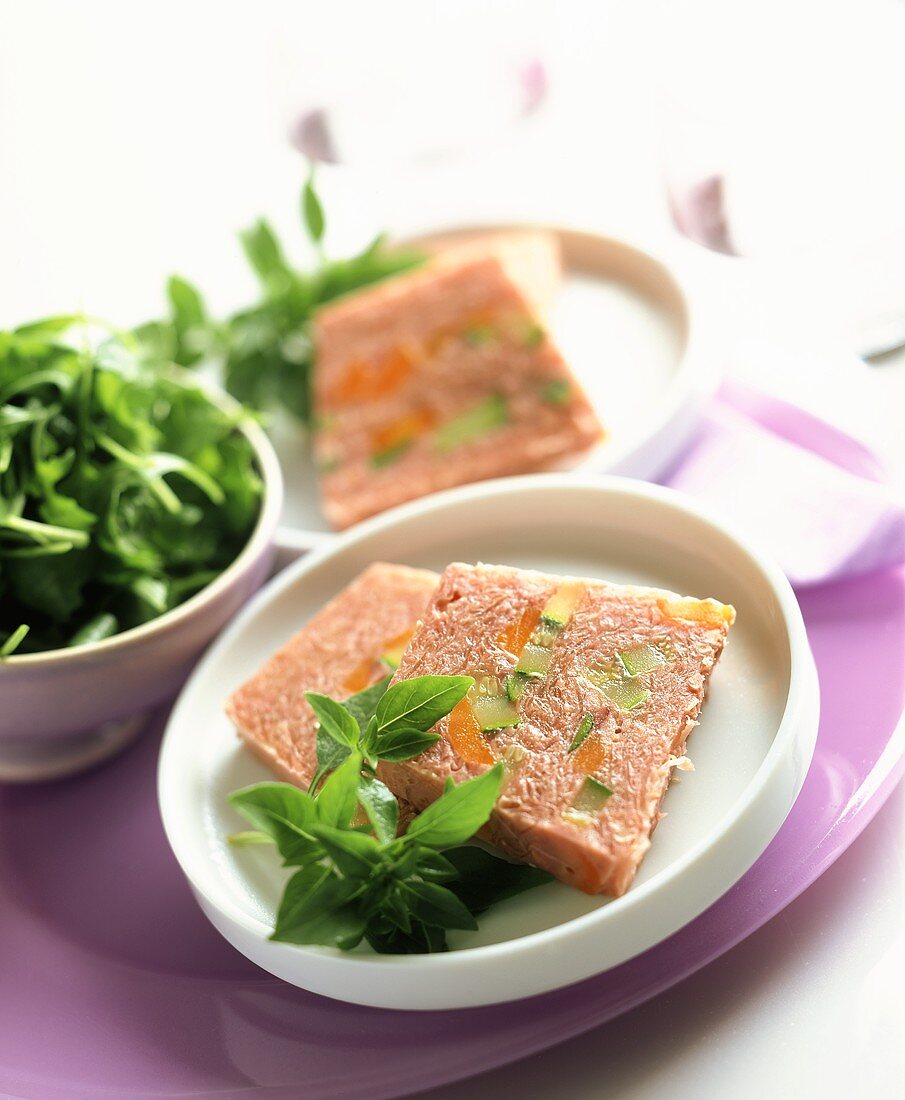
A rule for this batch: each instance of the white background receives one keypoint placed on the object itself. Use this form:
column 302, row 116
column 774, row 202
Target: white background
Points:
column 136, row 138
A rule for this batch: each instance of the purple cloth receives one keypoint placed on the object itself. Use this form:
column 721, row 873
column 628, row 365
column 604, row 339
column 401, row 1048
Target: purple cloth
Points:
column 773, row 471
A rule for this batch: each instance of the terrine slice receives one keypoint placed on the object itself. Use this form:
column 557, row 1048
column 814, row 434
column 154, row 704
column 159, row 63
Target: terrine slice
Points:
column 354, row 641
column 586, row 691
column 444, row 376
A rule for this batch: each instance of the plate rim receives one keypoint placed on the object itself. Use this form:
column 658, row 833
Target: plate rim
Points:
column 801, row 706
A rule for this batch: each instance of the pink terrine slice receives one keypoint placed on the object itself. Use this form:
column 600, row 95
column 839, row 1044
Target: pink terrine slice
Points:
column 443, row 376
column 585, row 690
column 353, row 642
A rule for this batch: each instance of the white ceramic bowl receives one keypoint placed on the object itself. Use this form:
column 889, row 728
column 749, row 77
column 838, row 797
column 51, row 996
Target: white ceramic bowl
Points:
column 65, row 710
column 643, row 341
column 751, row 751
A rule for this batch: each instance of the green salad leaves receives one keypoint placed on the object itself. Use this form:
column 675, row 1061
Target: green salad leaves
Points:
column 358, row 878
column 122, row 491
column 265, row 352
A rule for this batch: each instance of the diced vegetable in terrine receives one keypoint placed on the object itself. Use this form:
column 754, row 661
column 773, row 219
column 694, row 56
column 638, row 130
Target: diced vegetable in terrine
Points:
column 594, row 688
column 355, row 641
column 443, row 376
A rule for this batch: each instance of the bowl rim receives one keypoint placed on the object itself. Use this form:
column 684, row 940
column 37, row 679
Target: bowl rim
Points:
column 789, row 744
column 261, row 535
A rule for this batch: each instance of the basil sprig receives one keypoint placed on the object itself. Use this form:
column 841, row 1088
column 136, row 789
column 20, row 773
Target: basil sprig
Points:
column 356, row 879
column 265, row 351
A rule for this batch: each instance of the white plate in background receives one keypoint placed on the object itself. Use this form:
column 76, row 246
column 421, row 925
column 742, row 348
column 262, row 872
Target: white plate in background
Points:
column 751, row 752
column 632, row 330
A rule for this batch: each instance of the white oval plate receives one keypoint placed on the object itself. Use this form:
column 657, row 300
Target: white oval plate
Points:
column 751, row 751
column 632, row 329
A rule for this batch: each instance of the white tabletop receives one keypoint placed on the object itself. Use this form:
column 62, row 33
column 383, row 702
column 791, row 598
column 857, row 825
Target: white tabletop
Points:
column 135, row 139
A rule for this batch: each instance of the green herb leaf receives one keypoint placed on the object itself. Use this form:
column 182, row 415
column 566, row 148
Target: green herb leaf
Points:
column 419, row 703
column 265, row 350
column 432, row 866
column 401, row 743
column 338, row 797
column 312, row 211
column 459, row 812
column 330, row 754
column 318, row 908
column 248, row 838
column 437, row 905
column 354, row 854
column 363, row 705
column 380, row 805
column 481, row 880
column 264, row 253
column 96, row 629
column 398, row 893
column 186, row 302
column 335, row 720
column 283, row 812
column 421, row 939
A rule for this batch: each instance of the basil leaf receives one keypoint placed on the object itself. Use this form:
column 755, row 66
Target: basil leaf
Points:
column 265, row 350
column 334, row 719
column 380, row 805
column 188, row 308
column 458, row 813
column 400, row 743
column 284, row 813
column 246, row 839
column 49, row 325
column 363, row 704
column 420, row 703
column 435, row 904
column 355, row 854
column 422, row 939
column 338, row 797
column 263, row 251
column 405, row 857
column 318, row 908
column 394, row 909
column 481, row 879
column 189, row 322
column 330, row 754
column 312, row 211
column 434, row 866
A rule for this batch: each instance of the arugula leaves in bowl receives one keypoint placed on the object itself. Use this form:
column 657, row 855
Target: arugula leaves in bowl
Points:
column 123, row 490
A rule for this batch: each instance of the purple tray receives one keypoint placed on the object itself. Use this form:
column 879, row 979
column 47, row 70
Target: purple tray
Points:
column 112, row 983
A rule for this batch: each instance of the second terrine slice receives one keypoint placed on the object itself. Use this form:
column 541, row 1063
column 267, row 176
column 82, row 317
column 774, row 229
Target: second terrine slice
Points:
column 352, row 643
